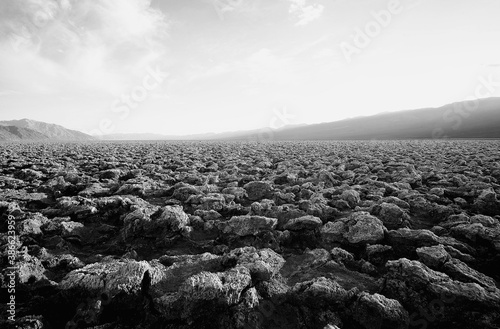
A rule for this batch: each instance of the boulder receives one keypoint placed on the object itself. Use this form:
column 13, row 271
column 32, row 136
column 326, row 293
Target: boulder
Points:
column 475, row 232
column 258, row 190
column 29, row 269
column 206, row 286
column 32, row 226
column 70, row 228
column 320, row 292
column 113, row 277
column 341, row 256
column 406, row 237
column 363, row 228
column 333, row 232
column 303, row 223
column 174, row 217
column 377, row 311
column 379, row 254
column 263, row 264
column 352, row 197
column 391, row 215
column 237, row 192
column 434, row 256
column 247, row 225
column 358, row 228
column 460, row 271
column 484, row 220
column 487, row 203
column 420, row 289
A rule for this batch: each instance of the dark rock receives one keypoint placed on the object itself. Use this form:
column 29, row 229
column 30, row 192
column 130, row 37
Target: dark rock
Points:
column 418, row 288
column 303, row 223
column 263, row 264
column 378, row 311
column 358, row 228
column 460, row 271
column 247, row 225
column 113, row 174
column 351, row 197
column 184, row 191
column 486, row 221
column 487, row 203
column 405, row 237
column 32, row 226
column 112, row 278
column 258, row 190
column 341, row 256
column 70, row 228
column 434, row 256
column 174, row 217
column 95, row 190
column 238, row 192
column 379, row 254
column 77, row 207
column 29, row 268
column 207, row 214
column 477, row 232
column 320, row 292
column 391, row 215
column 319, row 263
column 30, row 322
column 455, row 253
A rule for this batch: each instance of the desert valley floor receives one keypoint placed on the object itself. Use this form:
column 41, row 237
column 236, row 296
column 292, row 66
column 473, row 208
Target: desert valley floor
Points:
column 361, row 234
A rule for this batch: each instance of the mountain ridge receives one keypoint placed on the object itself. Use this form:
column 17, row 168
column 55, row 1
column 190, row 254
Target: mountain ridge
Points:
column 458, row 120
column 13, row 133
column 36, row 130
column 455, row 120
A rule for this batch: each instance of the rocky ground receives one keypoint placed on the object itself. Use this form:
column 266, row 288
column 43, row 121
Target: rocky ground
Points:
column 246, row 235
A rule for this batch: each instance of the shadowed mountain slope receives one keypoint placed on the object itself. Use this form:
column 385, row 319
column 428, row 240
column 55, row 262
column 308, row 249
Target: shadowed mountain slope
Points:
column 46, row 131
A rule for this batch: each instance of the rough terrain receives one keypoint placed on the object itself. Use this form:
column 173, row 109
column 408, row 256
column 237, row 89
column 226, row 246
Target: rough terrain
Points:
column 252, row 235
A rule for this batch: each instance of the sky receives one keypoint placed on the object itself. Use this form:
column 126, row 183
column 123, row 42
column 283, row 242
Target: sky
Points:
column 181, row 67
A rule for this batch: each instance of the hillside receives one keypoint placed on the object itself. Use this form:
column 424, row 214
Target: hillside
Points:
column 45, row 131
column 454, row 121
column 12, row 133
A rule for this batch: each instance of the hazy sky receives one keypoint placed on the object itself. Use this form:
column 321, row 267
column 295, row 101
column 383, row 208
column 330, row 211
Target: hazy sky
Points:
column 192, row 66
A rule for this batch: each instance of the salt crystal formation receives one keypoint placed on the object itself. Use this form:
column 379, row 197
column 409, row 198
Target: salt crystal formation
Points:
column 247, row 235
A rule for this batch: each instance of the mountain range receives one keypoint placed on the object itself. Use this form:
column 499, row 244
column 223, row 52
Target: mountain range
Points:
column 31, row 130
column 204, row 136
column 469, row 119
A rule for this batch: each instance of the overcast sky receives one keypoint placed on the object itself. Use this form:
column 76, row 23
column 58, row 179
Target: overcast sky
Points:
column 194, row 66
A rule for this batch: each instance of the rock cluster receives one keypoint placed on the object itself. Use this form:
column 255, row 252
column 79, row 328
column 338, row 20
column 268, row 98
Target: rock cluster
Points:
column 247, row 235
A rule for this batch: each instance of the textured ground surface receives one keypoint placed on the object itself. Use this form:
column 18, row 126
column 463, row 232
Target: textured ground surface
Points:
column 246, row 235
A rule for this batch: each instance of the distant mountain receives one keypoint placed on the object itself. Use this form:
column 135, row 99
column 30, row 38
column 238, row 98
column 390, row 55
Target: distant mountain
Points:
column 46, row 131
column 474, row 119
column 205, row 136
column 148, row 136
column 130, row 137
column 13, row 133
